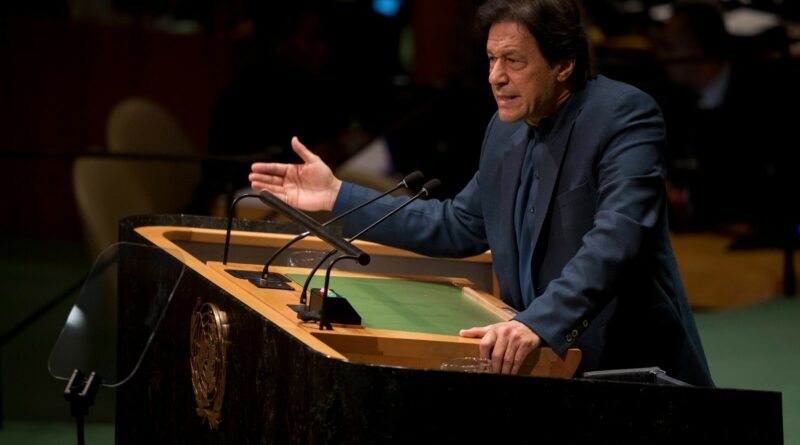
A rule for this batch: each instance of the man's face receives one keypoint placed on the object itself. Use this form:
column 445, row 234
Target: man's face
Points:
column 525, row 85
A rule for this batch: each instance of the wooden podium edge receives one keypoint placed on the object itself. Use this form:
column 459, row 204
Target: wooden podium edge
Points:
column 543, row 362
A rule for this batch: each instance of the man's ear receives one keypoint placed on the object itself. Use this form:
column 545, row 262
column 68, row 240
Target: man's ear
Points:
column 564, row 69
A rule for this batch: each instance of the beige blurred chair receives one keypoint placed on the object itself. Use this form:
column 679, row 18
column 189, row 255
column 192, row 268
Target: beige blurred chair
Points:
column 107, row 190
column 370, row 168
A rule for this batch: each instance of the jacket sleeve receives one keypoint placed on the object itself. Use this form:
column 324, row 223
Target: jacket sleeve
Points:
column 451, row 228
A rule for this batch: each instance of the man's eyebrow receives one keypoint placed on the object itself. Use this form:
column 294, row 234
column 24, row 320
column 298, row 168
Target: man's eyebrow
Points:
column 516, row 52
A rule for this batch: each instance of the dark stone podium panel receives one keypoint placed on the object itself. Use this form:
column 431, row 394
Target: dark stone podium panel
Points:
column 279, row 390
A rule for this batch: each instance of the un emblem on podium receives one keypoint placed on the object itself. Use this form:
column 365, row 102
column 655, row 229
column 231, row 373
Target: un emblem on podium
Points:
column 209, row 340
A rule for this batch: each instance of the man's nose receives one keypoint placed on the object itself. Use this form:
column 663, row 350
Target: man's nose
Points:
column 497, row 73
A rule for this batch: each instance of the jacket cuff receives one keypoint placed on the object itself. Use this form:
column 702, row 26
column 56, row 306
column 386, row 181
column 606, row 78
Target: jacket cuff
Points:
column 340, row 204
column 559, row 336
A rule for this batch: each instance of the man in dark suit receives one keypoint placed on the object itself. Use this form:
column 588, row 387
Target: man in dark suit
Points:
column 569, row 195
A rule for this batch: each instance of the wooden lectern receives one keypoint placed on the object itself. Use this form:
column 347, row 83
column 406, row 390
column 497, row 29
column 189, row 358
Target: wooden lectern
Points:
column 232, row 363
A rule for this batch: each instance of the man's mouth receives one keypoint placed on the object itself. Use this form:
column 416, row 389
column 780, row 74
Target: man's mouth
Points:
column 504, row 99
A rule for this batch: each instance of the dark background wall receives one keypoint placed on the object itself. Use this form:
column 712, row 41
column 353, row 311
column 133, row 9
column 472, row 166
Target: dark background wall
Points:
column 62, row 69
column 241, row 77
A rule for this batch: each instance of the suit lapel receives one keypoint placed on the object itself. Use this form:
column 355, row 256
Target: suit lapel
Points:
column 550, row 160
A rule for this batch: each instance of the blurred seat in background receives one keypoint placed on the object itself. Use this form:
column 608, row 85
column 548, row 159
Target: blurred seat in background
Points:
column 141, row 126
column 109, row 189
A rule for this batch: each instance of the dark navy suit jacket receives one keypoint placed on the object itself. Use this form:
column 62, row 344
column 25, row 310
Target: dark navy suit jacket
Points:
column 605, row 278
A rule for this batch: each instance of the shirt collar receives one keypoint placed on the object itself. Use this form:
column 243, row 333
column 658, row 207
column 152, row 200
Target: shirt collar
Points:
column 542, row 129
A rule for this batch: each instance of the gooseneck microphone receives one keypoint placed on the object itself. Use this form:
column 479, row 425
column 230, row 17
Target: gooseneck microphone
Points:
column 315, row 227
column 316, row 310
column 273, row 280
column 300, row 218
column 230, row 223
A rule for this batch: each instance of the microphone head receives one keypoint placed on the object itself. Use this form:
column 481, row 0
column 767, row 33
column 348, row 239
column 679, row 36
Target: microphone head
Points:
column 413, row 179
column 431, row 185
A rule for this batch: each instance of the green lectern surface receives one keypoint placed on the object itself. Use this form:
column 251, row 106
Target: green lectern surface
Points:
column 407, row 305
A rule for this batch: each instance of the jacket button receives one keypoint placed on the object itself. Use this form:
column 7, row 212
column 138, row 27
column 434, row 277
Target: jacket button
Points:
column 574, row 333
column 531, row 209
column 569, row 338
column 585, row 323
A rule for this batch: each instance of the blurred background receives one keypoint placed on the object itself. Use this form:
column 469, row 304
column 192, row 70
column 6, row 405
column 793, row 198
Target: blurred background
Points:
column 110, row 108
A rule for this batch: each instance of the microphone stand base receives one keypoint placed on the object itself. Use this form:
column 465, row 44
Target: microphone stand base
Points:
column 314, row 316
column 274, row 280
column 327, row 308
column 333, row 307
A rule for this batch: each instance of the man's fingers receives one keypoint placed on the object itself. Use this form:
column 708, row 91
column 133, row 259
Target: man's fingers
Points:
column 305, row 154
column 498, row 352
column 474, row 332
column 506, row 344
column 278, row 191
column 275, row 189
column 258, row 186
column 519, row 357
column 508, row 357
column 269, row 168
column 266, row 179
column 486, row 335
column 486, row 345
